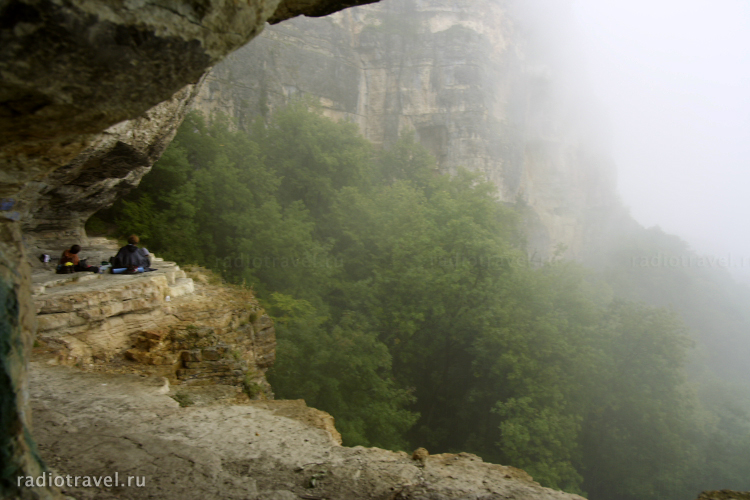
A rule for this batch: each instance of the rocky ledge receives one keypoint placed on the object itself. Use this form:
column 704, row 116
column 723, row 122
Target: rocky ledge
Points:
column 97, row 424
column 165, row 323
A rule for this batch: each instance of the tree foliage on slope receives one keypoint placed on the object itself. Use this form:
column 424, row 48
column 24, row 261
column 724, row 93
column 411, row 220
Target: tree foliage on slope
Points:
column 660, row 269
column 406, row 307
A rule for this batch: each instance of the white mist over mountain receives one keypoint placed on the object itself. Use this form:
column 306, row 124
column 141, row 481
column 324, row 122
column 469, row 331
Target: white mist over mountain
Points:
column 674, row 78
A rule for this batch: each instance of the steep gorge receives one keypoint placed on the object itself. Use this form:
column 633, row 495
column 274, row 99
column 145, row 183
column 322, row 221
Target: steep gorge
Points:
column 66, row 151
column 92, row 93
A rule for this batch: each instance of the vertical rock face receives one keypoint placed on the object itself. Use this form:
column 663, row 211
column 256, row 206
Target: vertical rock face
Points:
column 17, row 450
column 465, row 76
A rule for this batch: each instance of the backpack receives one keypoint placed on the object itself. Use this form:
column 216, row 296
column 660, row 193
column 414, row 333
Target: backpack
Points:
column 66, row 269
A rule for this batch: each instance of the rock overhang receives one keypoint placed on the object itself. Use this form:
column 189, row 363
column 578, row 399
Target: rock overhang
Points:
column 69, row 70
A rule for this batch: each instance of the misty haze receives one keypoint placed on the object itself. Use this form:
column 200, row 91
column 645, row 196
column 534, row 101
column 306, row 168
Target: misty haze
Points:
column 479, row 232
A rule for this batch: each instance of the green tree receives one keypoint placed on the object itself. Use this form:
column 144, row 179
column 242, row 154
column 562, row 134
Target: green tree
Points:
column 406, row 306
column 341, row 368
column 639, row 432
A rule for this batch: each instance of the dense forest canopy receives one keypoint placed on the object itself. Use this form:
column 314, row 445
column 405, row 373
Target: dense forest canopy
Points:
column 406, row 307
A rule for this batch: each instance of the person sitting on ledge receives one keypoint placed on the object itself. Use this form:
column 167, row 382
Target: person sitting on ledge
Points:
column 71, row 256
column 130, row 259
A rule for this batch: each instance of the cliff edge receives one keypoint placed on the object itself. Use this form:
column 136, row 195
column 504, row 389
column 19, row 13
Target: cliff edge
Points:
column 97, row 424
column 184, row 326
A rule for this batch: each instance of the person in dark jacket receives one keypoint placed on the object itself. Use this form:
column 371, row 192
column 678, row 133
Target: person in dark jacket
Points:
column 71, row 255
column 130, row 256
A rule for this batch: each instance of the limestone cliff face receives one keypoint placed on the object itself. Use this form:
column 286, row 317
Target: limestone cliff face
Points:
column 73, row 69
column 464, row 75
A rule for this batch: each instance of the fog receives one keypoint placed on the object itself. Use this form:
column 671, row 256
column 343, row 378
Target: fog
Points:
column 674, row 79
column 405, row 303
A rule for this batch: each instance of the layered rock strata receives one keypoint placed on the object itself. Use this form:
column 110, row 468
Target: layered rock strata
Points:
column 160, row 323
column 259, row 451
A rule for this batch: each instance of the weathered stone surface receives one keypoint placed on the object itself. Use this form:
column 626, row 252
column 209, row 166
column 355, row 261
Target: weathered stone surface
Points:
column 56, row 207
column 97, row 318
column 94, row 424
column 204, row 337
column 73, row 69
column 17, row 451
column 297, row 409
